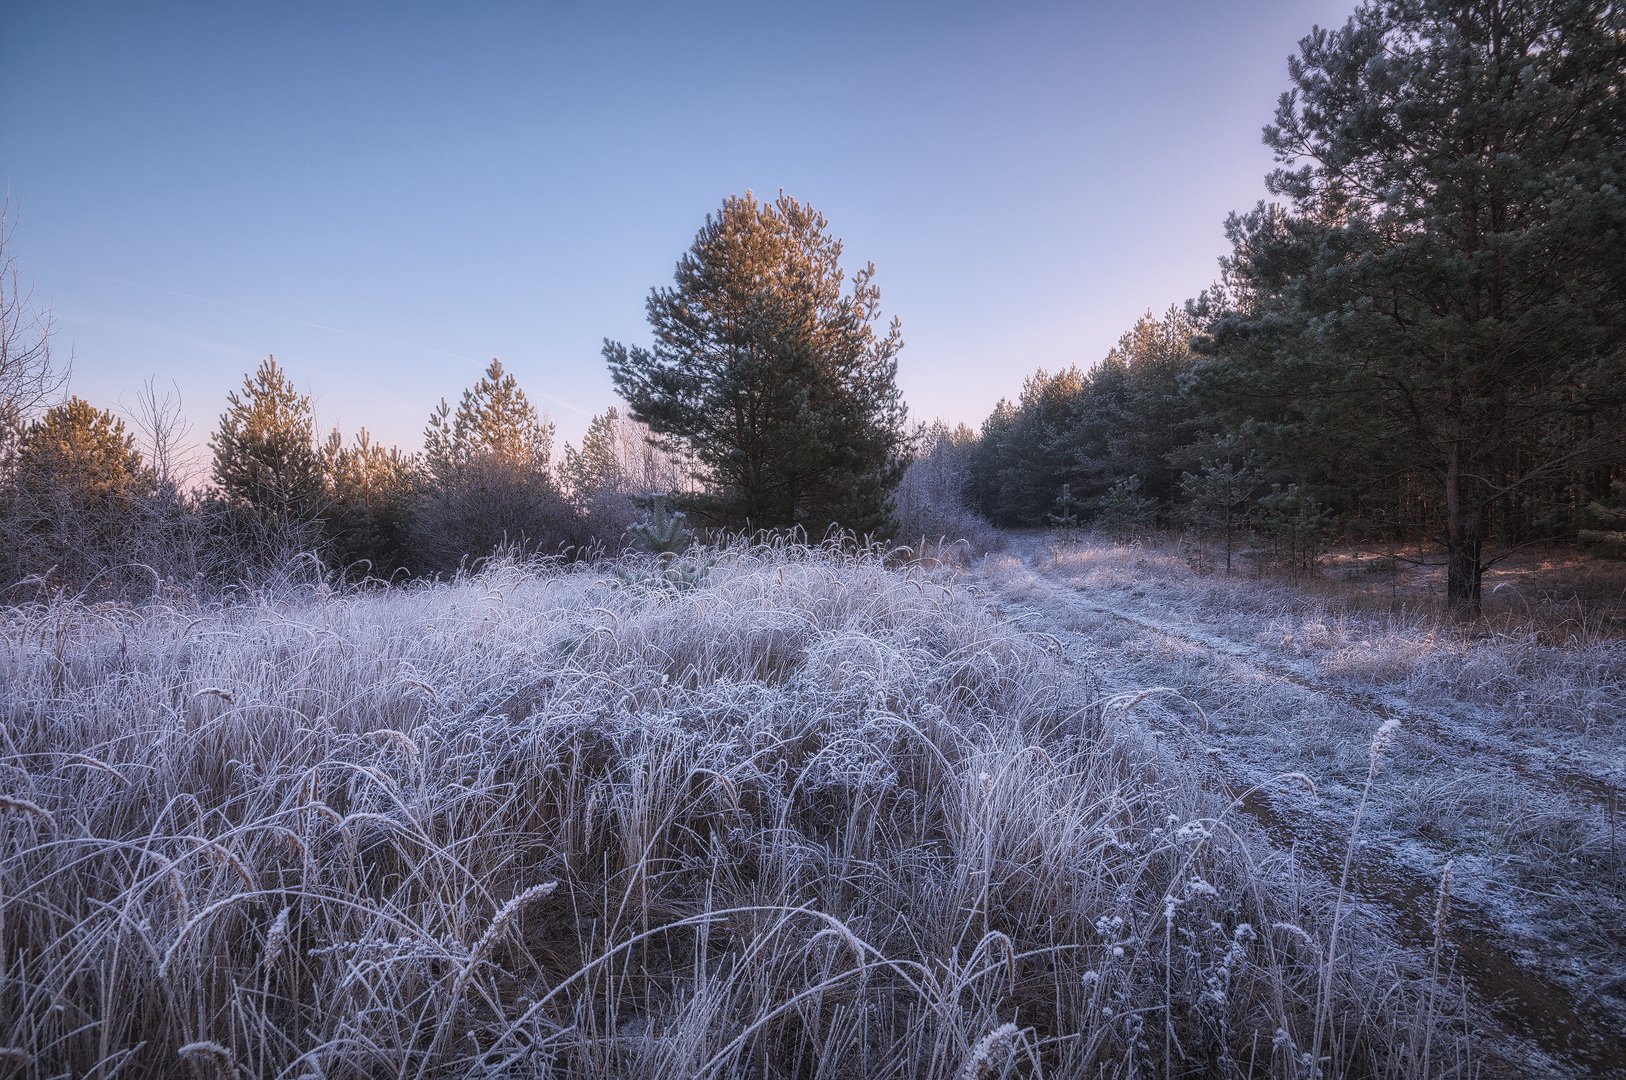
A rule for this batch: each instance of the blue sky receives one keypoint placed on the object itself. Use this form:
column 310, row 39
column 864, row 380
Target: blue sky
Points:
column 387, row 196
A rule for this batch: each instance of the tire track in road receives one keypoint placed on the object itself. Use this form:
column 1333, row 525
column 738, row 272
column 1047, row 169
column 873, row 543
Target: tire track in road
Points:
column 1525, row 1004
column 1596, row 791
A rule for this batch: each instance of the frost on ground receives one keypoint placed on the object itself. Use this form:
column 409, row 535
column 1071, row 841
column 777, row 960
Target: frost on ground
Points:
column 810, row 817
column 1506, row 766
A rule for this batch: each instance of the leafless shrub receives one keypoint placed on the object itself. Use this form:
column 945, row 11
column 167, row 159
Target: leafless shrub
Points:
column 931, row 504
column 489, row 505
column 30, row 375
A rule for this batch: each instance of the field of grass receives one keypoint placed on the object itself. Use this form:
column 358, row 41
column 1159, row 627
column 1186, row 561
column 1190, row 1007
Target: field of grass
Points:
column 815, row 816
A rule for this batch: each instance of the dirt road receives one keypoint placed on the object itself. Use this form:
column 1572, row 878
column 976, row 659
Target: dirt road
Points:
column 1534, row 930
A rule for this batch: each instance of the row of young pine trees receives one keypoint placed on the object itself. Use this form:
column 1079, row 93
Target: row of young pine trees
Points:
column 84, row 508
column 1166, row 435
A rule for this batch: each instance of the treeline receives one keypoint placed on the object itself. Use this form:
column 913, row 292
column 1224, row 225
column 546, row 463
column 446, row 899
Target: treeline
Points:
column 95, row 506
column 1157, row 436
column 83, row 508
column 767, row 401
column 1115, row 436
column 1424, row 337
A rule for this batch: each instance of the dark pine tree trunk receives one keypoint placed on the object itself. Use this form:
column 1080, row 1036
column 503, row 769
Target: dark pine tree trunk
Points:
column 1466, row 500
column 1463, row 574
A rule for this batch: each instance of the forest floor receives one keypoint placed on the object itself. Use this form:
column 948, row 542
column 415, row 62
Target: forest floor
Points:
column 1555, row 585
column 1506, row 778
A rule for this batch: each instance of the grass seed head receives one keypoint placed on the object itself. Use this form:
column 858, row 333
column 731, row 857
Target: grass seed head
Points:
column 18, row 805
column 221, row 1059
column 1384, row 738
column 992, row 1054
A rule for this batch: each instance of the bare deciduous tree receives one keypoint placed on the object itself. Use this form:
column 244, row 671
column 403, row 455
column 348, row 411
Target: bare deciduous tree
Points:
column 29, row 375
column 164, row 432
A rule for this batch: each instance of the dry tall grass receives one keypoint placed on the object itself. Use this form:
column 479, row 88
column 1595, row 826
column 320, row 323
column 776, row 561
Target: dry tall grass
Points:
column 1558, row 669
column 1509, row 764
column 814, row 817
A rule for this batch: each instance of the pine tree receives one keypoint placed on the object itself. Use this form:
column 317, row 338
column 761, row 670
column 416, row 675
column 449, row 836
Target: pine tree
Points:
column 1124, row 512
column 1221, row 495
column 487, row 482
column 677, row 564
column 1064, row 519
column 81, row 452
column 1444, row 283
column 664, row 531
column 495, row 423
column 1137, row 409
column 767, row 371
column 989, row 461
column 76, row 483
column 1299, row 525
column 370, row 496
column 1038, row 449
column 1606, row 523
column 596, row 467
column 266, row 461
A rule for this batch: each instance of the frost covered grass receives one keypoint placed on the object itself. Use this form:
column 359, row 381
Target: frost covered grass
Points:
column 1564, row 675
column 813, row 816
column 1511, row 748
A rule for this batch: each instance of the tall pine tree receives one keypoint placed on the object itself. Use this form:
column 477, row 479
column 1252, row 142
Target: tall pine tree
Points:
column 767, row 370
column 1445, row 281
column 487, row 478
column 267, row 464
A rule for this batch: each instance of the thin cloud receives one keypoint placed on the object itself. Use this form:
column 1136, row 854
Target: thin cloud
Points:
column 155, row 333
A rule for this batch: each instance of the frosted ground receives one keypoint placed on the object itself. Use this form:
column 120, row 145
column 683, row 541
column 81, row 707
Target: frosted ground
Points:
column 1508, row 764
column 819, row 815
